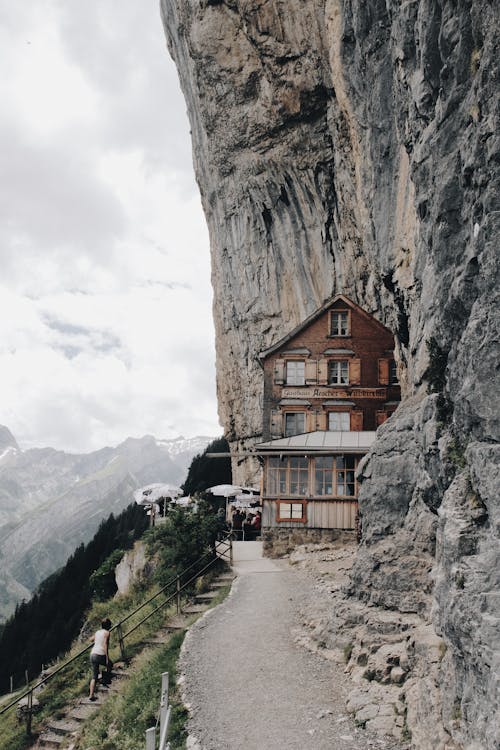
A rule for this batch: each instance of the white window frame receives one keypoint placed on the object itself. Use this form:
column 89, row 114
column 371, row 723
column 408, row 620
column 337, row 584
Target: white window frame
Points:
column 343, row 418
column 287, row 477
column 338, row 372
column 295, row 372
column 337, row 326
column 334, row 477
column 393, row 373
column 291, row 511
column 293, row 416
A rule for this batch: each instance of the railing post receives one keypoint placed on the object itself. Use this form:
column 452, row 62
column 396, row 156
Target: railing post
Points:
column 163, row 703
column 121, row 642
column 231, row 551
column 178, row 594
column 151, row 738
column 29, row 713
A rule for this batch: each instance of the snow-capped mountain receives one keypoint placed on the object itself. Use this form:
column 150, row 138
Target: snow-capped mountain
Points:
column 52, row 501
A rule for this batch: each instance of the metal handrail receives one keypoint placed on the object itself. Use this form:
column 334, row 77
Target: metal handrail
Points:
column 118, row 626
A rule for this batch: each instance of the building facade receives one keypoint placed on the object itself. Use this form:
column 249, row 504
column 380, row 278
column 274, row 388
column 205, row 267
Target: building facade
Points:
column 328, row 385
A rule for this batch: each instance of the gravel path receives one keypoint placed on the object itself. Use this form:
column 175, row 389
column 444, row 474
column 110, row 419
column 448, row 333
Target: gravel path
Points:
column 249, row 686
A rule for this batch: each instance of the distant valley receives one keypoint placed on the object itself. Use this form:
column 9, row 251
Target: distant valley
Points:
column 52, row 501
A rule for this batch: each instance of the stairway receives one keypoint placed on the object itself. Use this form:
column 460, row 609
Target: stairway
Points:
column 62, row 732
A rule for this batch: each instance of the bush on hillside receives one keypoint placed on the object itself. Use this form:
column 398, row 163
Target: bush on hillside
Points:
column 187, row 535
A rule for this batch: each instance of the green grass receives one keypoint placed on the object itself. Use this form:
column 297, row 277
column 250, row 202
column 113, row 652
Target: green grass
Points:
column 72, row 683
column 122, row 722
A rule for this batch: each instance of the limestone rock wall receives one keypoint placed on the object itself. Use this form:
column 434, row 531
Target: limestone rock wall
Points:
column 352, row 146
column 133, row 568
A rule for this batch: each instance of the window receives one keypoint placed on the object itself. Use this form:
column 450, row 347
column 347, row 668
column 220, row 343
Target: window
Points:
column 288, row 476
column 295, row 423
column 339, row 323
column 295, row 372
column 335, row 475
column 339, row 421
column 299, row 476
column 393, row 373
column 291, row 511
column 345, row 476
column 338, row 372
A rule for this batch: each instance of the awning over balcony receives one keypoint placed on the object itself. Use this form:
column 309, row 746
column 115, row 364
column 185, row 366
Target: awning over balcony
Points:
column 321, row 441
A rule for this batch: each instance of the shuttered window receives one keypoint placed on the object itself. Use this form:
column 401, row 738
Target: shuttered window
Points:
column 295, row 372
column 355, row 371
column 295, row 423
column 338, row 372
column 279, row 371
column 339, row 421
column 311, row 372
column 323, row 372
column 276, row 423
column 383, row 372
column 356, row 421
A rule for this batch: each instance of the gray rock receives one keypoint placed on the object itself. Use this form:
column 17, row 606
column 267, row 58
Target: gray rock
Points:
column 352, row 147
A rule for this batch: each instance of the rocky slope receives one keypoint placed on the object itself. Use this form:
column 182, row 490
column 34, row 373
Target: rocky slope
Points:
column 352, row 146
column 51, row 501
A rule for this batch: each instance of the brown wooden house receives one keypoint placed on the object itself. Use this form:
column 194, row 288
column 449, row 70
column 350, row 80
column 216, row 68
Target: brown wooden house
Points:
column 328, row 385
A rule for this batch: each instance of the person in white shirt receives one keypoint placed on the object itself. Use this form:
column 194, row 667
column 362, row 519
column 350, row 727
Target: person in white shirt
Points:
column 100, row 655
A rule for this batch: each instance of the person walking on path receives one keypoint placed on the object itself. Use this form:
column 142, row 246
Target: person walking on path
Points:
column 100, row 656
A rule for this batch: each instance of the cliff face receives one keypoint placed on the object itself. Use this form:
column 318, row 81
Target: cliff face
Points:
column 352, row 147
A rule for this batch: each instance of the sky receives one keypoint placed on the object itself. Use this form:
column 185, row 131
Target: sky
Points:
column 105, row 301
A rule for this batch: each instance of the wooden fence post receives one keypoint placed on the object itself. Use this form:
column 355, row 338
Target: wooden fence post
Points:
column 121, row 642
column 178, row 594
column 29, row 713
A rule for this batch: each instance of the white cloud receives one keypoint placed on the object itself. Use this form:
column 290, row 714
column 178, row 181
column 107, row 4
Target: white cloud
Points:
column 105, row 306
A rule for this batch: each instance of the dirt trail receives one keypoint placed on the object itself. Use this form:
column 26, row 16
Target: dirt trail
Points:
column 250, row 686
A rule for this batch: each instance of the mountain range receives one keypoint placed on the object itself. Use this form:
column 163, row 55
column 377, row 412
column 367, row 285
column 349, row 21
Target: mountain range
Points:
column 52, row 501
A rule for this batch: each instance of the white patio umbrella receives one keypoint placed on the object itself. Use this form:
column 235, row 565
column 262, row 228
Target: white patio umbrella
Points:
column 183, row 501
column 151, row 493
column 247, row 498
column 225, row 490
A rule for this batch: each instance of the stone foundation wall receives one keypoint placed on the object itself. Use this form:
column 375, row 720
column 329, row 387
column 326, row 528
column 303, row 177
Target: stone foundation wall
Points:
column 280, row 542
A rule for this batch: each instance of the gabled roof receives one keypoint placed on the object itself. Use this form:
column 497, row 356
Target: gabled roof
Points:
column 314, row 316
column 320, row 441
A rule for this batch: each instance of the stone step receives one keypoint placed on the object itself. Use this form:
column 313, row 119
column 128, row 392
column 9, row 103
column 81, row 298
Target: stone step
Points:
column 62, row 726
column 50, row 740
column 176, row 623
column 194, row 609
column 205, row 597
column 155, row 642
column 82, row 711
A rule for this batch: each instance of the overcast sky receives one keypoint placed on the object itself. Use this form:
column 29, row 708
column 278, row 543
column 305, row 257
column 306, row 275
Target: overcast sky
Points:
column 105, row 300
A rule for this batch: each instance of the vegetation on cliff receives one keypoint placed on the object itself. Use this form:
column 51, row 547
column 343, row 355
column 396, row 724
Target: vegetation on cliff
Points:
column 44, row 627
